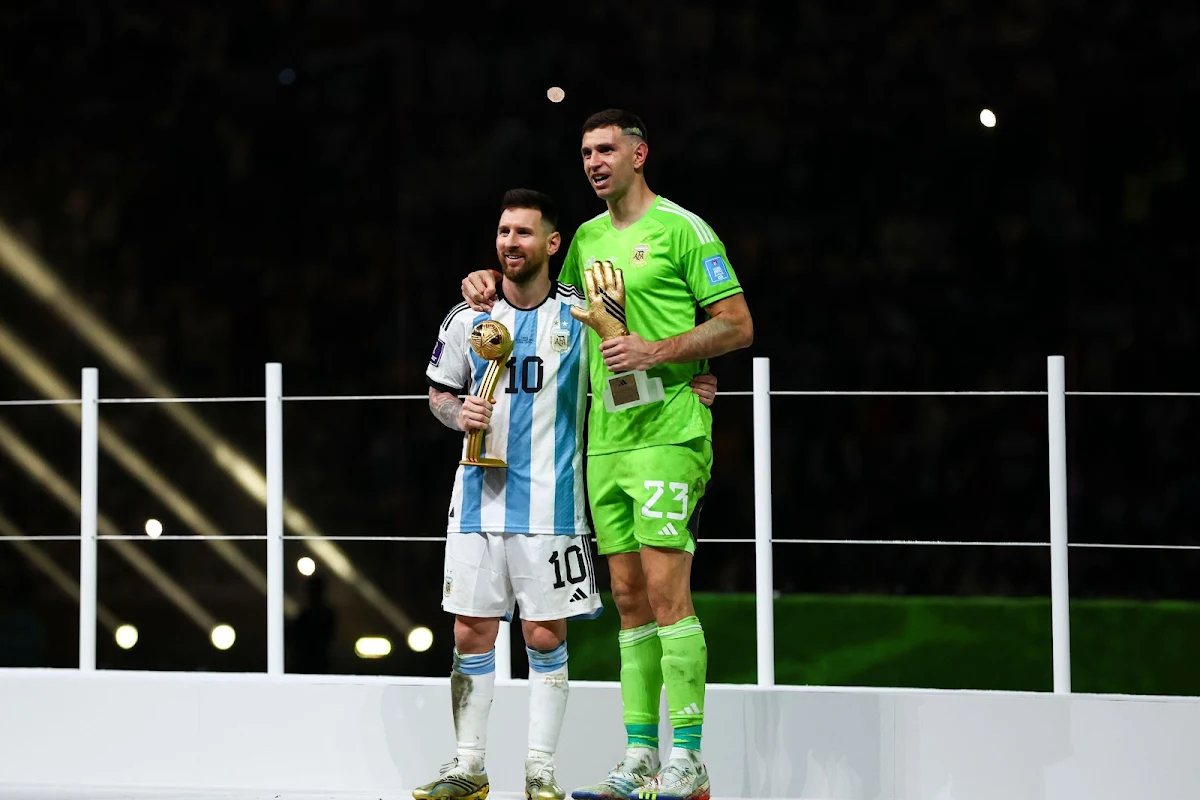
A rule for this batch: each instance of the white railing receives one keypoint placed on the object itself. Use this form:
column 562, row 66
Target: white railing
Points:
column 764, row 540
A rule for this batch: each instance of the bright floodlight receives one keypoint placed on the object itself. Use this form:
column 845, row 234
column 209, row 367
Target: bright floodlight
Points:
column 126, row 636
column 555, row 94
column 988, row 118
column 372, row 647
column 153, row 528
column 223, row 637
column 420, row 639
column 306, row 566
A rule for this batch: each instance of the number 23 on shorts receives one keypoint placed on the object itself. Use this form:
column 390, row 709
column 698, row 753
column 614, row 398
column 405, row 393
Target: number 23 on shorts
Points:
column 664, row 515
column 676, row 509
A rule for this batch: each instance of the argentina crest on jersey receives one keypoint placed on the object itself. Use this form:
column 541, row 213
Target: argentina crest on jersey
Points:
column 640, row 255
column 560, row 337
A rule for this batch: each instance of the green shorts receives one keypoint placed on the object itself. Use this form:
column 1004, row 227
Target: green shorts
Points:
column 651, row 496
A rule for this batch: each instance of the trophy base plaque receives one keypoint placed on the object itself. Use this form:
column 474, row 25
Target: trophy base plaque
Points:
column 483, row 462
column 632, row 389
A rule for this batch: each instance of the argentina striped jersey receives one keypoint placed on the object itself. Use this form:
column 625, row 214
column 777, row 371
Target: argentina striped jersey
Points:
column 537, row 422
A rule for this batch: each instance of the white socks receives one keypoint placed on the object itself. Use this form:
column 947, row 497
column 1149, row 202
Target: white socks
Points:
column 472, row 685
column 682, row 753
column 548, row 689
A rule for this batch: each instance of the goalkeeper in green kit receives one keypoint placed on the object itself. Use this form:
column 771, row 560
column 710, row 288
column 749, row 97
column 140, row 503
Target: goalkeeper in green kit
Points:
column 644, row 266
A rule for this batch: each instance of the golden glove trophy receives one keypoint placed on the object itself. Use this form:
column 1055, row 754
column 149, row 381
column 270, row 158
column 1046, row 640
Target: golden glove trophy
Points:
column 492, row 342
column 605, row 315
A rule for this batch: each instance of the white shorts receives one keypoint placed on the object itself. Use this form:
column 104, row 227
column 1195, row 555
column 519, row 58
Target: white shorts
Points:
column 549, row 576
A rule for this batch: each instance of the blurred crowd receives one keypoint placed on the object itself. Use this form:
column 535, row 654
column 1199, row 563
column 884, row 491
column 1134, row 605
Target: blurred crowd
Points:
column 307, row 182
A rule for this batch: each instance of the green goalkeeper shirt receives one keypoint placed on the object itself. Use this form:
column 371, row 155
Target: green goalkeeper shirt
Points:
column 672, row 263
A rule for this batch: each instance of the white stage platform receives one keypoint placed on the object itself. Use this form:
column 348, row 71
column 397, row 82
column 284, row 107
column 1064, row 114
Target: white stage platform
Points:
column 173, row 736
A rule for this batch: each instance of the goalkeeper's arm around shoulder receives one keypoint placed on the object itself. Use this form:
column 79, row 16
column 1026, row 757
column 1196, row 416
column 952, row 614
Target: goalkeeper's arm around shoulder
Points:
column 729, row 327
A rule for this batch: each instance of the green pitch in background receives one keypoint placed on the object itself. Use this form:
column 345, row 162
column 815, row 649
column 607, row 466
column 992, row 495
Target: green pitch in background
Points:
column 1117, row 646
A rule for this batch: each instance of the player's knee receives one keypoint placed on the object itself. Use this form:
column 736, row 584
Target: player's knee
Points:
column 626, row 578
column 628, row 585
column 632, row 605
column 544, row 636
column 669, row 592
column 629, row 593
column 473, row 635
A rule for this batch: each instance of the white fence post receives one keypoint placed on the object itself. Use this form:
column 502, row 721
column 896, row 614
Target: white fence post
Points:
column 89, row 438
column 764, row 577
column 1060, row 598
column 275, row 617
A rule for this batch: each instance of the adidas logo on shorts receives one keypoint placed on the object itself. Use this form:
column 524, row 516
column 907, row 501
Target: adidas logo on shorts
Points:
column 579, row 595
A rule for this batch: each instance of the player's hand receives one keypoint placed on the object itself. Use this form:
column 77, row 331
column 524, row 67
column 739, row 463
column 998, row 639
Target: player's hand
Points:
column 605, row 313
column 475, row 414
column 479, row 289
column 629, row 352
column 704, row 386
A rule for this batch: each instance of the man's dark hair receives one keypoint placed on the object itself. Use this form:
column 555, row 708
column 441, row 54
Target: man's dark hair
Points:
column 629, row 123
column 531, row 198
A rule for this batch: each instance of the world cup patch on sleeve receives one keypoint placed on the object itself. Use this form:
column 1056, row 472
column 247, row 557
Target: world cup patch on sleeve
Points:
column 716, row 270
column 437, row 352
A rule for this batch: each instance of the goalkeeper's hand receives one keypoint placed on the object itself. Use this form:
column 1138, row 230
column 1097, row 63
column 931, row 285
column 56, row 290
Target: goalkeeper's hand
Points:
column 479, row 289
column 605, row 313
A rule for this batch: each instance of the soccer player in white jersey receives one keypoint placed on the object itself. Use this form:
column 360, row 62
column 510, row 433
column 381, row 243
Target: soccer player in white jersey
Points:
column 517, row 536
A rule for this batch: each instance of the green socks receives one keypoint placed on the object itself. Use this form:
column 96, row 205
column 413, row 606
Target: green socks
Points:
column 651, row 656
column 685, row 670
column 641, row 683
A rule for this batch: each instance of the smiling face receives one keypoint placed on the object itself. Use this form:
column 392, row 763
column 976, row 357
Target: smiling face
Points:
column 524, row 243
column 612, row 160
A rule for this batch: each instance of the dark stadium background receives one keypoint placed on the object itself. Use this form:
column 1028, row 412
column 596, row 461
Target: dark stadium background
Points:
column 307, row 182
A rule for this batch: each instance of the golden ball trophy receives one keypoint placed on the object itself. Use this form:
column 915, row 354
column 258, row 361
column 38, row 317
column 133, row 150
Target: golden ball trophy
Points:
column 605, row 315
column 492, row 342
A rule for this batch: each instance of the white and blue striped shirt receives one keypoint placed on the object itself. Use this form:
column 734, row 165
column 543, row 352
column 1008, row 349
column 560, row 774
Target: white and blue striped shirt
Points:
column 537, row 422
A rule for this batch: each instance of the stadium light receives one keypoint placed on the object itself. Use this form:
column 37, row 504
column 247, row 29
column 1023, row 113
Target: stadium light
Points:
column 988, row 118
column 223, row 637
column 126, row 636
column 306, row 566
column 555, row 94
column 153, row 528
column 372, row 647
column 420, row 639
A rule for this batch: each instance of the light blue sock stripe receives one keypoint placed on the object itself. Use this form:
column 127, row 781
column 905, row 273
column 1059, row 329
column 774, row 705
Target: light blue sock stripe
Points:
column 547, row 662
column 479, row 664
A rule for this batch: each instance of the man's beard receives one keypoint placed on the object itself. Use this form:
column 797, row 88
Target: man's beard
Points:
column 522, row 274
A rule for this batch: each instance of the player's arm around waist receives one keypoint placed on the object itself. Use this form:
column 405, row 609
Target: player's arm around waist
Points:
column 729, row 327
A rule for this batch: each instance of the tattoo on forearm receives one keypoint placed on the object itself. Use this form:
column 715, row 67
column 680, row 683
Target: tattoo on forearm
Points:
column 707, row 340
column 446, row 407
